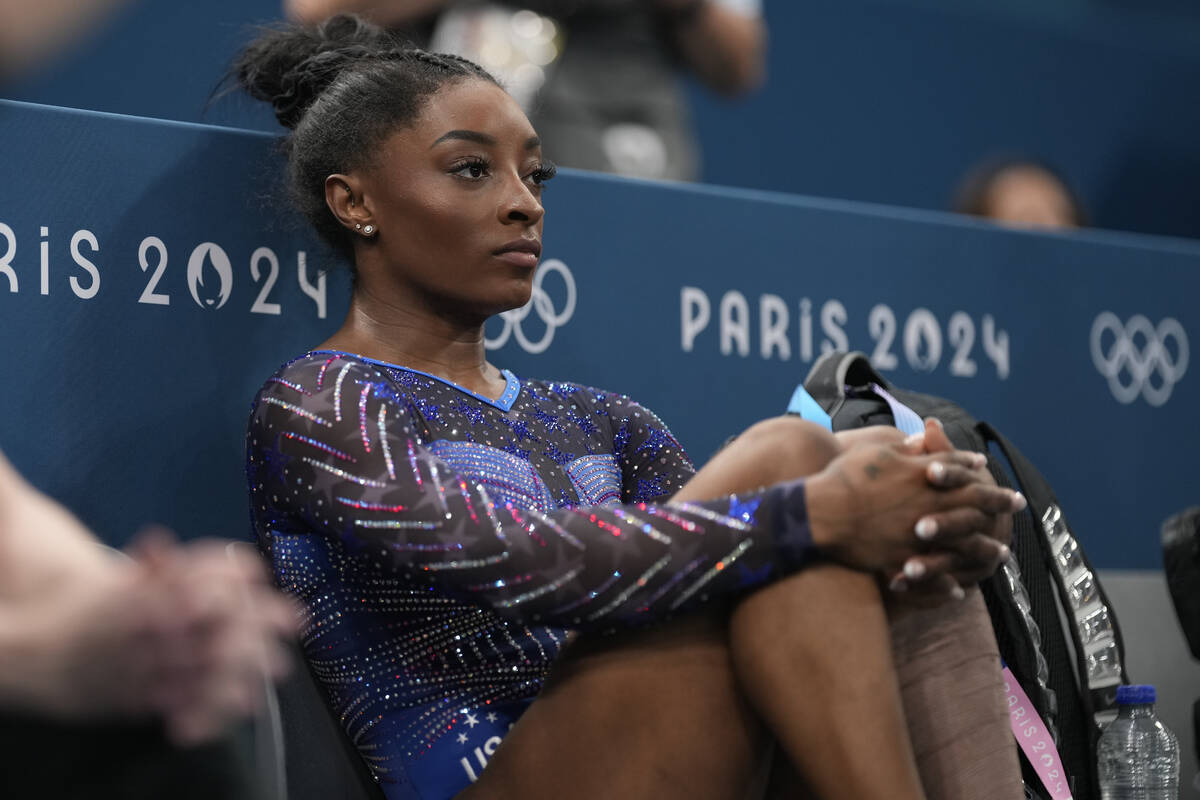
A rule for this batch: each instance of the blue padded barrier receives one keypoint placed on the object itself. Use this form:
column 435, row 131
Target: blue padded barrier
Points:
column 148, row 284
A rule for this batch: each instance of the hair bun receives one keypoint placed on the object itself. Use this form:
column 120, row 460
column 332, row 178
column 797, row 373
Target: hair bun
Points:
column 290, row 65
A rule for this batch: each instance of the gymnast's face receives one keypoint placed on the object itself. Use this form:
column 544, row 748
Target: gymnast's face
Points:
column 456, row 200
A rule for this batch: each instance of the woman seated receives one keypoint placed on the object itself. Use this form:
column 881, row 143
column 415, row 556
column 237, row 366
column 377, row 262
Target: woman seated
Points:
column 466, row 542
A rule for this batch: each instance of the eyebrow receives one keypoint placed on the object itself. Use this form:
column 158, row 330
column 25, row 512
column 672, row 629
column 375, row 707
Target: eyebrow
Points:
column 481, row 138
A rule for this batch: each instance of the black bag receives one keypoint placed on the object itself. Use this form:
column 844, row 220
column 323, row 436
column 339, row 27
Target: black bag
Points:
column 1048, row 580
column 1181, row 560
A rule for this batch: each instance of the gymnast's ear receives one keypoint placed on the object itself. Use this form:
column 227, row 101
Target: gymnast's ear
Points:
column 345, row 197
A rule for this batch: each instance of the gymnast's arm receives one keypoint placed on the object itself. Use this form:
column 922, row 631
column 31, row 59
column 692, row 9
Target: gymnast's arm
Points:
column 333, row 451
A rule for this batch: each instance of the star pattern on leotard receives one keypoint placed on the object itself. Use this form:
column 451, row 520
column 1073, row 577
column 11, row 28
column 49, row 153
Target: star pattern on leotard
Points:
column 275, row 463
column 649, row 489
column 584, row 423
column 743, row 509
column 551, row 422
column 656, row 438
column 557, row 456
column 383, row 390
column 621, row 440
column 429, row 410
column 472, row 413
column 753, row 577
column 520, row 429
column 410, row 379
column 511, row 448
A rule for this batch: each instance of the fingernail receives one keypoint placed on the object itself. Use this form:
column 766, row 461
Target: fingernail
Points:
column 980, row 460
column 1019, row 502
column 914, row 570
column 914, row 440
column 926, row 528
column 937, row 422
column 898, row 584
column 1005, row 553
column 937, row 472
column 957, row 592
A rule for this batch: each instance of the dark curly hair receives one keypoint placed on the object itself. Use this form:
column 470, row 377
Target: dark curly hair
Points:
column 342, row 87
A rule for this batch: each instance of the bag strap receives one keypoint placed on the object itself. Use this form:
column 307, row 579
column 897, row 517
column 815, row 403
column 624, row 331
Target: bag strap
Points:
column 806, row 406
column 1099, row 646
column 905, row 418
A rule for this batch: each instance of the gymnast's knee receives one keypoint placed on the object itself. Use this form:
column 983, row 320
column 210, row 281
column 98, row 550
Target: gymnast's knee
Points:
column 792, row 447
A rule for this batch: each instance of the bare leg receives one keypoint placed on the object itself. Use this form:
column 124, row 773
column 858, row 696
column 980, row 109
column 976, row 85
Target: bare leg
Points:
column 814, row 657
column 653, row 714
column 946, row 669
column 661, row 713
column 812, row 652
column 656, row 713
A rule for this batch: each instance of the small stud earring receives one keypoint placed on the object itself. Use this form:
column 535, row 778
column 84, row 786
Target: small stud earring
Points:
column 358, row 226
column 368, row 230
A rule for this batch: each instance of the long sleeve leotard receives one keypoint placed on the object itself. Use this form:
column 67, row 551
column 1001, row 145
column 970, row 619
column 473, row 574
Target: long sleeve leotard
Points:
column 443, row 545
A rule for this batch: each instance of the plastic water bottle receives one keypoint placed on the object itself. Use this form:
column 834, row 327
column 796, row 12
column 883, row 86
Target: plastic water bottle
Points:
column 1139, row 757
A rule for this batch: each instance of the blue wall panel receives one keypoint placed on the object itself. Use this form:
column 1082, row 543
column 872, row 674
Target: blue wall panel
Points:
column 893, row 101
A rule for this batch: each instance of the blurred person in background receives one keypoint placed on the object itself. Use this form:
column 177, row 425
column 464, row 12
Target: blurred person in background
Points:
column 32, row 32
column 1020, row 192
column 601, row 80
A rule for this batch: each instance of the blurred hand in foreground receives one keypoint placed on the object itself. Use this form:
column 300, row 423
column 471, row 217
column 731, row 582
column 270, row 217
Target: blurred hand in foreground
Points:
column 183, row 632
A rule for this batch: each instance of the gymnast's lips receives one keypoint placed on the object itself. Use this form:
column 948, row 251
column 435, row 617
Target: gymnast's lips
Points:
column 521, row 252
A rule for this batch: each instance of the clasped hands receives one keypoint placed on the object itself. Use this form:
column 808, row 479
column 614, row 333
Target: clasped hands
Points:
column 183, row 633
column 926, row 518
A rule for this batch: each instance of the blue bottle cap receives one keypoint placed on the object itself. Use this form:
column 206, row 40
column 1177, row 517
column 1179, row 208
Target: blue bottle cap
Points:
column 1135, row 695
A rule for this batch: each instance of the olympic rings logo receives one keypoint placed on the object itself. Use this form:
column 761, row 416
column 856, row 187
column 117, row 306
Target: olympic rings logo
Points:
column 1139, row 362
column 541, row 303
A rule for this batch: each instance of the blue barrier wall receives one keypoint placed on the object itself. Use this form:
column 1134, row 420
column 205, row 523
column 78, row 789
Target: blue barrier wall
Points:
column 147, row 287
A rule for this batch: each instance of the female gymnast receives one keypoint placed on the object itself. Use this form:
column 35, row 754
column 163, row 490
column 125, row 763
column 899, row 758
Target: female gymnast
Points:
column 485, row 559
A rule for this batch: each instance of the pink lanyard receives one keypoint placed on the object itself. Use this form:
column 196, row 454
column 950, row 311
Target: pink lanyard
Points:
column 1034, row 739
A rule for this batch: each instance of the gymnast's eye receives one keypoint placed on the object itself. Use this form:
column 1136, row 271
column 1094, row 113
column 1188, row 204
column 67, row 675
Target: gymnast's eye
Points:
column 471, row 169
column 543, row 172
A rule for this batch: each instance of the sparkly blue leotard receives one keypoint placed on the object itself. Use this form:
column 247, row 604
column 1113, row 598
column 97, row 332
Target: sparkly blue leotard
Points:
column 443, row 544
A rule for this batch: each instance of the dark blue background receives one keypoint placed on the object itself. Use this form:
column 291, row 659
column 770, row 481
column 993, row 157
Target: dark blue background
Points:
column 133, row 412
column 880, row 100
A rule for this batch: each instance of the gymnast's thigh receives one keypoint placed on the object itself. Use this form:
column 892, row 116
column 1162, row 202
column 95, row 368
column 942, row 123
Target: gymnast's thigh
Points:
column 652, row 714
